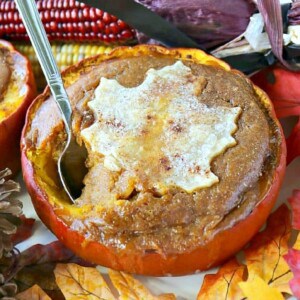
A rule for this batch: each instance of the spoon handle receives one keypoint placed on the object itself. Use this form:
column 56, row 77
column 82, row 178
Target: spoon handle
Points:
column 36, row 32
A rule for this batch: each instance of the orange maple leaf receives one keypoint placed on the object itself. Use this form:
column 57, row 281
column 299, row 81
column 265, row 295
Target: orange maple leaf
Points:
column 268, row 273
column 33, row 293
column 223, row 284
column 264, row 256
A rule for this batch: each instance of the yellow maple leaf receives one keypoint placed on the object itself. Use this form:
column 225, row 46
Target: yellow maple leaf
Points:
column 130, row 288
column 265, row 266
column 33, row 293
column 264, row 256
column 257, row 289
column 296, row 245
column 81, row 283
column 223, row 284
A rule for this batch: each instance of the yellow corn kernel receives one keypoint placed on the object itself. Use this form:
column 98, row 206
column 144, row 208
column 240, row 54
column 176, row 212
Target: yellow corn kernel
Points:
column 65, row 54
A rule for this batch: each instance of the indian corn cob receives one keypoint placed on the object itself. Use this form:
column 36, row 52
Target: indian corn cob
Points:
column 66, row 20
column 65, row 54
column 211, row 23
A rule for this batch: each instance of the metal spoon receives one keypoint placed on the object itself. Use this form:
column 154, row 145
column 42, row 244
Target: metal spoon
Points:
column 71, row 163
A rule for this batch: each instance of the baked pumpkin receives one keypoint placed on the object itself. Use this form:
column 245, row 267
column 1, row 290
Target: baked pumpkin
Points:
column 17, row 90
column 186, row 158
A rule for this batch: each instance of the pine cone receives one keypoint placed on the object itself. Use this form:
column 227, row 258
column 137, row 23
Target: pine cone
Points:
column 10, row 210
column 7, row 289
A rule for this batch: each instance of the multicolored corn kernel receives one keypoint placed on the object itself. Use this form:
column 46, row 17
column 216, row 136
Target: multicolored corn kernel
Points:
column 66, row 20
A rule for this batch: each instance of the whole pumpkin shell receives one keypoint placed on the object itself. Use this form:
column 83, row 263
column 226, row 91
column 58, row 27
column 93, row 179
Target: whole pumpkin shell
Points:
column 11, row 125
column 223, row 245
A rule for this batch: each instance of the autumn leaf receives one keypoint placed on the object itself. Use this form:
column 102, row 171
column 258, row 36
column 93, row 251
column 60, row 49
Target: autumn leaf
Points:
column 24, row 231
column 43, row 276
column 293, row 256
column 35, row 265
column 77, row 282
column 130, row 288
column 295, row 286
column 53, row 252
column 81, row 283
column 33, row 293
column 268, row 274
column 293, row 260
column 293, row 143
column 257, row 289
column 264, row 256
column 282, row 86
column 223, row 284
column 39, row 254
column 294, row 200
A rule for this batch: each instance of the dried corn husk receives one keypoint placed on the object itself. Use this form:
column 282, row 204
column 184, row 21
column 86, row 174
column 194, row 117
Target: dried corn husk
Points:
column 209, row 22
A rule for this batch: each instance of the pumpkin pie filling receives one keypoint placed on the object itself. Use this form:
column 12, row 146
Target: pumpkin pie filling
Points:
column 134, row 195
column 5, row 73
column 12, row 90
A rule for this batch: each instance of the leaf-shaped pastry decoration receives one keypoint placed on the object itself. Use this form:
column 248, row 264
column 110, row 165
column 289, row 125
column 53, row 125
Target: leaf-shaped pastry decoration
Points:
column 33, row 293
column 223, row 284
column 78, row 282
column 167, row 123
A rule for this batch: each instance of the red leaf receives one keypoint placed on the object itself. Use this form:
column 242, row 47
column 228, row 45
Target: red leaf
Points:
column 282, row 86
column 39, row 254
column 24, row 231
column 293, row 260
column 294, row 200
column 295, row 287
column 293, row 143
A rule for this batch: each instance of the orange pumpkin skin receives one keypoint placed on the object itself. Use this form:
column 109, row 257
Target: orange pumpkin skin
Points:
column 223, row 245
column 11, row 126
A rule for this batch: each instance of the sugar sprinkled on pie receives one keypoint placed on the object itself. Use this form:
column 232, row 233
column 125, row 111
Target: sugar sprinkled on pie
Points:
column 158, row 132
